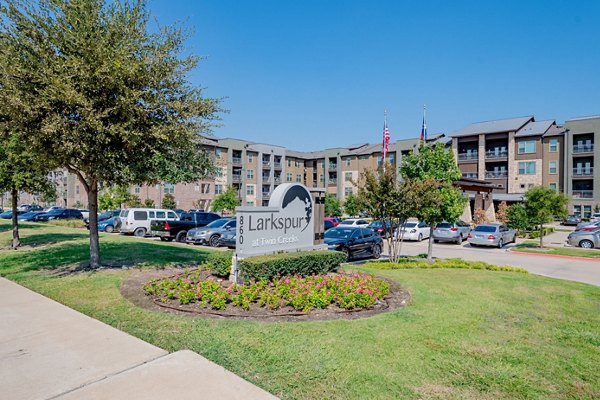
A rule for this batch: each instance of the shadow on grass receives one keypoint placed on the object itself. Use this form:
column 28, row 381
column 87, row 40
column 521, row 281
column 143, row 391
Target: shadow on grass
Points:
column 51, row 238
column 76, row 255
column 22, row 225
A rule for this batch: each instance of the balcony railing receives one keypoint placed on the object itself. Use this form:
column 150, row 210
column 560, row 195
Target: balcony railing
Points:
column 236, row 178
column 266, row 178
column 468, row 156
column 332, row 166
column 471, row 175
column 333, row 181
column 266, row 195
column 236, row 160
column 583, row 148
column 277, row 165
column 492, row 154
column 583, row 194
column 277, row 179
column 496, row 175
column 589, row 171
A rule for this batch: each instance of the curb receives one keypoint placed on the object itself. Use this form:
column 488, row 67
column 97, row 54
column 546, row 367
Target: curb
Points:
column 557, row 256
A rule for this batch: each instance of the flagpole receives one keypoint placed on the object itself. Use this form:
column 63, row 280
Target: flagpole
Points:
column 383, row 146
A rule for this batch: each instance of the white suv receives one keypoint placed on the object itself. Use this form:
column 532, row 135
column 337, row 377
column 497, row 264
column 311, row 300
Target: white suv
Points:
column 136, row 221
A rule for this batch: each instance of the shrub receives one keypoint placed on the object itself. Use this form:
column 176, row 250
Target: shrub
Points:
column 411, row 263
column 219, row 263
column 69, row 223
column 303, row 263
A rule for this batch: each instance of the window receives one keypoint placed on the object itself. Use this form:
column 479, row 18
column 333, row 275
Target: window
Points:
column 297, row 164
column 378, row 161
column 250, row 158
column 169, row 188
column 526, row 147
column 552, row 186
column 289, row 162
column 288, row 177
column 522, row 186
column 250, row 174
column 530, row 185
column 553, row 145
column 161, row 214
column 552, row 167
column 250, row 203
column 137, row 188
column 140, row 215
column 392, row 159
column 171, row 215
column 348, row 176
column 321, row 178
column 347, row 191
column 348, row 161
column 219, row 172
column 77, row 189
column 218, row 153
column 323, row 163
column 250, row 190
column 197, row 188
column 527, row 168
column 151, row 214
column 218, row 189
column 206, row 188
column 298, row 178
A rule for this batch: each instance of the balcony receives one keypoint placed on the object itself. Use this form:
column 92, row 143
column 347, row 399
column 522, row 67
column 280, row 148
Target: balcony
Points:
column 236, row 177
column 470, row 175
column 495, row 154
column 583, row 194
column 236, row 161
column 277, row 179
column 579, row 148
column 266, row 164
column 277, row 165
column 266, row 178
column 333, row 181
column 583, row 171
column 266, row 195
column 496, row 174
column 332, row 166
column 473, row 156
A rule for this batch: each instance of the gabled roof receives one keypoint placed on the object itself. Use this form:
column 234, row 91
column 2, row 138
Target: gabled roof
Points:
column 555, row 130
column 535, row 128
column 496, row 126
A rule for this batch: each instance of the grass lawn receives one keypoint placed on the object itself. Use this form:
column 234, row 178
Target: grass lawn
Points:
column 468, row 334
column 534, row 247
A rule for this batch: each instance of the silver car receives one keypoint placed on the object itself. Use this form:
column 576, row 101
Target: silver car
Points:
column 585, row 239
column 587, row 225
column 211, row 233
column 491, row 235
column 451, row 232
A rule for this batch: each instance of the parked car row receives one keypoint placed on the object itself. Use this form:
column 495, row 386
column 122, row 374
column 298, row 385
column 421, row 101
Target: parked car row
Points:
column 584, row 238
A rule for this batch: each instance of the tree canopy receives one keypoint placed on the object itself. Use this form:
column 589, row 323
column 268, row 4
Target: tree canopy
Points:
column 542, row 205
column 226, row 201
column 333, row 208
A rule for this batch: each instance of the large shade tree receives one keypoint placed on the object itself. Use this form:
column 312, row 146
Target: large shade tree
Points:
column 110, row 97
column 542, row 205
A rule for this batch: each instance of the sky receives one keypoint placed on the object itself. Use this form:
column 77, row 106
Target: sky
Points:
column 315, row 74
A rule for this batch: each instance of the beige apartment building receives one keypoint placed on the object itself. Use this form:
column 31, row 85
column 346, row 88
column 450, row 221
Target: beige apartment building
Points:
column 514, row 154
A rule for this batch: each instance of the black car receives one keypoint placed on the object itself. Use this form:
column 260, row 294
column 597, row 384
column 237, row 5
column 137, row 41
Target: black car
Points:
column 227, row 240
column 29, row 207
column 29, row 216
column 356, row 242
column 383, row 228
column 572, row 220
column 59, row 213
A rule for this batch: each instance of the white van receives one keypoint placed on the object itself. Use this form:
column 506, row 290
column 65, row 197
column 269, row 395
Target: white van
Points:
column 136, row 221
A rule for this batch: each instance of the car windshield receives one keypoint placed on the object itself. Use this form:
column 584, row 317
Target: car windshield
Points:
column 410, row 224
column 485, row 228
column 105, row 215
column 338, row 233
column 347, row 222
column 376, row 224
column 218, row 223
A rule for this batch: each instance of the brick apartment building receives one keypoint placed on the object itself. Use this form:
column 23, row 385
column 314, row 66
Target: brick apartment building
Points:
column 514, row 154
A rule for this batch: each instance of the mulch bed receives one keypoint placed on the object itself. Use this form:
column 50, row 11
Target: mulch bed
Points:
column 131, row 289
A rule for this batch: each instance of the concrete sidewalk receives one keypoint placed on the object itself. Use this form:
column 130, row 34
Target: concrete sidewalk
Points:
column 49, row 351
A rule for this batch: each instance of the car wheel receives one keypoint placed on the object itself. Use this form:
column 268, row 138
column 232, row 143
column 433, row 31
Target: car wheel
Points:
column 181, row 236
column 473, row 244
column 459, row 240
column 435, row 241
column 214, row 240
column 345, row 250
column 420, row 237
column 139, row 232
column 109, row 229
column 376, row 251
column 586, row 244
column 500, row 244
column 514, row 238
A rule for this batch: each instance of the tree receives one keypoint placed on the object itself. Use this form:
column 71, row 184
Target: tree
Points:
column 501, row 215
column 21, row 171
column 352, row 205
column 149, row 203
column 109, row 96
column 333, row 207
column 78, row 204
column 429, row 175
column 226, row 201
column 134, row 202
column 113, row 198
column 542, row 205
column 169, row 202
column 384, row 198
column 517, row 217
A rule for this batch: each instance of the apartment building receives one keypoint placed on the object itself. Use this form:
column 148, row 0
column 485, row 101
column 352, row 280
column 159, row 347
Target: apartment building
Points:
column 515, row 154
column 580, row 153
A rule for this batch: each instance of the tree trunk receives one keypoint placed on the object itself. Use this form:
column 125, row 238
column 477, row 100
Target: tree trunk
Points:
column 16, row 241
column 430, row 247
column 541, row 236
column 94, row 239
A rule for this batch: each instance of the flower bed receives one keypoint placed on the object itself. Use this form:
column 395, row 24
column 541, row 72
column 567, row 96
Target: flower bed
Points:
column 356, row 291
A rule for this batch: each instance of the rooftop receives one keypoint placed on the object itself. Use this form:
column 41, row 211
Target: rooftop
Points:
column 535, row 128
column 495, row 126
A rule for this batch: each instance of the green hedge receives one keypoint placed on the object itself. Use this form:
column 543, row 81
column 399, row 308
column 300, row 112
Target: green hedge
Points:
column 219, row 263
column 302, row 263
column 535, row 234
column 412, row 263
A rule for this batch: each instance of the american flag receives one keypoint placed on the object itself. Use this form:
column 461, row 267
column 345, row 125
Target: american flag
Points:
column 386, row 141
column 424, row 127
